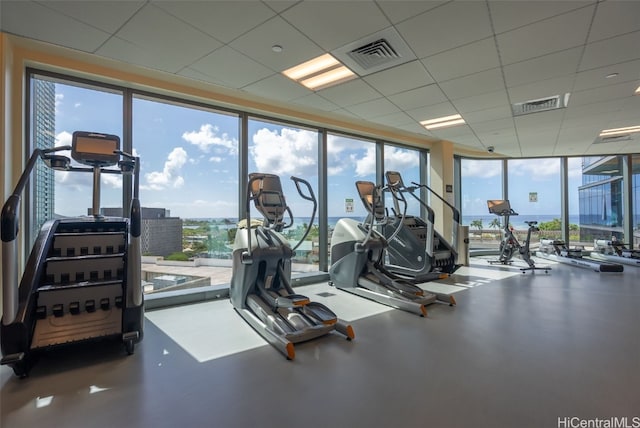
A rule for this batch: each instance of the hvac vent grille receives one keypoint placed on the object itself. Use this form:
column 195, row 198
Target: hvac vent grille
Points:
column 374, row 54
column 542, row 104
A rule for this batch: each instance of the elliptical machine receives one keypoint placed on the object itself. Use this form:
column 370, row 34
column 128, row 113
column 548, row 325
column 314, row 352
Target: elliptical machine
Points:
column 357, row 252
column 260, row 289
column 510, row 244
column 82, row 281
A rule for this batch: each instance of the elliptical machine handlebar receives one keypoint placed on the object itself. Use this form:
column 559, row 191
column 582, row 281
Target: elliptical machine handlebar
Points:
column 309, row 197
column 456, row 213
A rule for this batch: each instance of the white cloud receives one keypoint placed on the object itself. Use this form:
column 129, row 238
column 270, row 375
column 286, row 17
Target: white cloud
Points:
column 216, row 159
column 207, row 137
column 396, row 159
column 170, row 174
column 366, row 165
column 481, row 169
column 288, row 152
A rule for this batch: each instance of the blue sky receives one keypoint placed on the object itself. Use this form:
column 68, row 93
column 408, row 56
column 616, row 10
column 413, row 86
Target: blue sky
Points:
column 189, row 162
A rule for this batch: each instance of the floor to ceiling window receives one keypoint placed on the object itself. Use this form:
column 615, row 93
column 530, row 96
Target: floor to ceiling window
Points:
column 407, row 163
column 481, row 180
column 58, row 108
column 286, row 151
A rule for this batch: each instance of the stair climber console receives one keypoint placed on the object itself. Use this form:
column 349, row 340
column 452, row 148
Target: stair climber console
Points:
column 82, row 281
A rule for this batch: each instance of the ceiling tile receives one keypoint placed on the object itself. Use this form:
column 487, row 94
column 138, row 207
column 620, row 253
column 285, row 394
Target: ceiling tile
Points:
column 279, row 5
column 623, row 13
column 224, row 20
column 509, row 15
column 420, row 97
column 611, row 51
column 335, row 26
column 399, row 10
column 231, row 68
column 481, row 102
column 374, row 108
column 626, row 72
column 157, row 31
column 350, row 93
column 432, row 112
column 496, row 113
column 545, row 37
column 41, row 23
column 400, row 78
column 546, row 67
column 105, row 15
column 395, row 119
column 476, row 84
column 258, row 43
column 277, row 87
column 462, row 22
column 129, row 53
column 316, row 101
column 604, row 93
column 541, row 89
column 455, row 62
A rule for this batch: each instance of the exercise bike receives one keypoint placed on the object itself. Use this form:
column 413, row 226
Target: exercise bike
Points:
column 510, row 244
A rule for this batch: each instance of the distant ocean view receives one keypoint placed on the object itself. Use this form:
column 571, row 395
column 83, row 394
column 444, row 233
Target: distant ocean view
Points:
column 516, row 221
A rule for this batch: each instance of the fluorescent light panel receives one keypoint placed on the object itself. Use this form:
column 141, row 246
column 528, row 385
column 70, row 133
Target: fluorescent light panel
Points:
column 442, row 122
column 638, row 91
column 320, row 72
column 619, row 131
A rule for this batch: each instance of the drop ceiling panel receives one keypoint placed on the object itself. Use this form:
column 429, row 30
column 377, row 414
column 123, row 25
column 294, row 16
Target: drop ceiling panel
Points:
column 626, row 72
column 603, row 93
column 611, row 51
column 476, row 84
column 432, row 112
column 317, row 102
column 545, row 37
column 481, row 102
column 462, row 22
column 399, row 10
column 350, row 93
column 494, row 126
column 127, row 52
column 496, row 113
column 278, row 87
column 279, row 5
column 509, row 15
column 615, row 18
column 41, row 23
column 338, row 25
column 455, row 62
column 374, row 108
column 231, row 68
column 545, row 67
column 420, row 97
column 154, row 29
column 224, row 20
column 106, row 15
column 401, row 78
column 395, row 119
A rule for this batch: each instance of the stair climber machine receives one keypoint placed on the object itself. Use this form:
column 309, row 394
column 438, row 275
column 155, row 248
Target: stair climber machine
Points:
column 260, row 289
column 357, row 252
column 415, row 249
column 615, row 251
column 82, row 280
column 510, row 244
column 557, row 250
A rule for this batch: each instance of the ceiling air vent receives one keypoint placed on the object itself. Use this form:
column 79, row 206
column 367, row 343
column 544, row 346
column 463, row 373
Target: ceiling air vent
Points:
column 542, row 104
column 376, row 52
column 612, row 139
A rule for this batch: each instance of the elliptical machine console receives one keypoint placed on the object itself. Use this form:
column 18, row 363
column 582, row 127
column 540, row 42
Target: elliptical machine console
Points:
column 82, row 281
column 260, row 289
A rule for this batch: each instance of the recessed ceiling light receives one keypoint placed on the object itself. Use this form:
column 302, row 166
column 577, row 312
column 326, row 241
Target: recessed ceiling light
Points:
column 442, row 122
column 276, row 48
column 320, row 72
column 611, row 76
column 619, row 131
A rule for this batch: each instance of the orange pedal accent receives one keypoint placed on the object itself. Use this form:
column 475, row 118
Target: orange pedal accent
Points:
column 420, row 293
column 302, row 302
column 452, row 301
column 330, row 322
column 291, row 352
column 443, row 276
column 350, row 332
column 423, row 309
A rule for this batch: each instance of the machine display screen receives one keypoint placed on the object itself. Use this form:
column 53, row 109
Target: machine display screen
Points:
column 95, row 149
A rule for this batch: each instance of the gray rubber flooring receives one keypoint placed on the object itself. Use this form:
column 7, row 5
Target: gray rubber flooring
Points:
column 520, row 351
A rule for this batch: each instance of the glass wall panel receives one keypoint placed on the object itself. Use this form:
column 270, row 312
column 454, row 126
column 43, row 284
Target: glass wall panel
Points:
column 58, row 109
column 286, row 151
column 535, row 194
column 481, row 180
column 188, row 193
column 635, row 200
column 407, row 163
column 348, row 160
column 601, row 201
